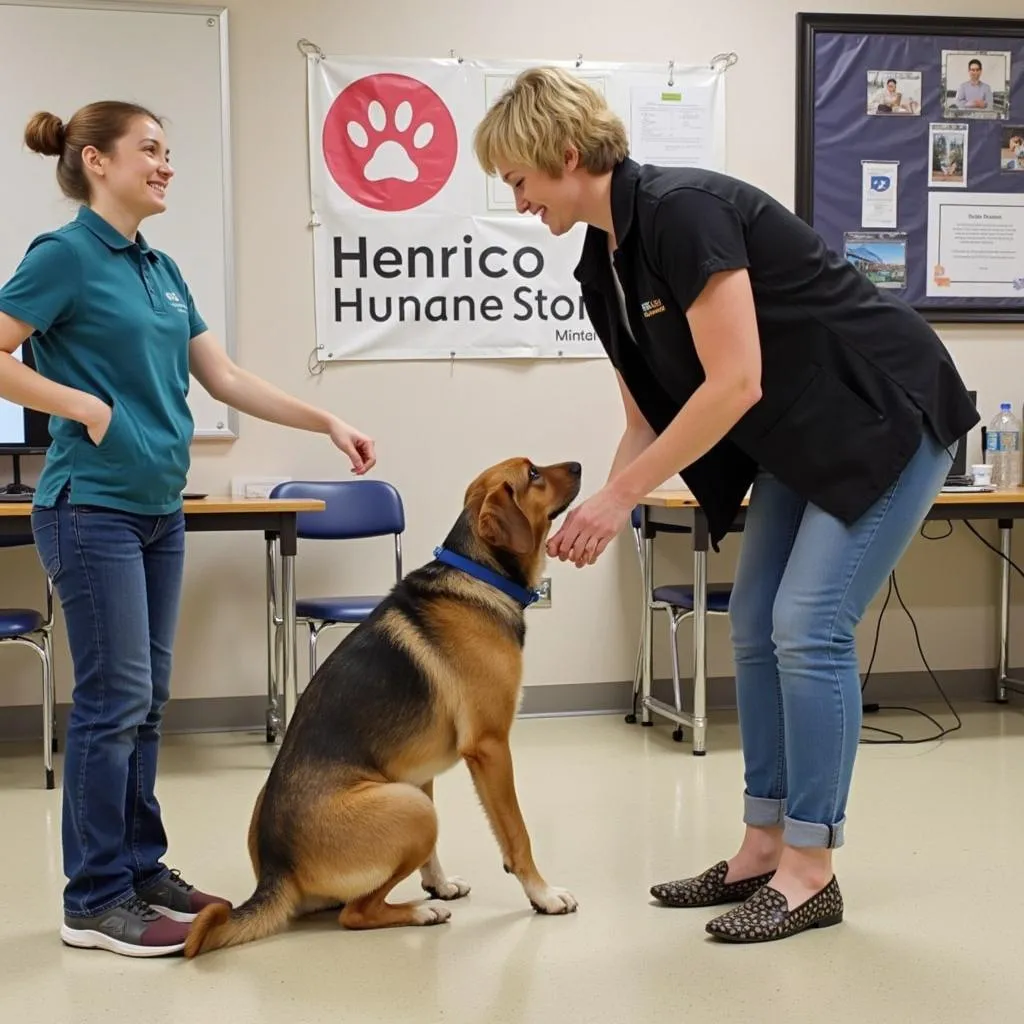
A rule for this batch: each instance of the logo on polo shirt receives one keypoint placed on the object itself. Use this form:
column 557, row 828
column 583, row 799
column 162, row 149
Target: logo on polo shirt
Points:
column 652, row 307
column 176, row 301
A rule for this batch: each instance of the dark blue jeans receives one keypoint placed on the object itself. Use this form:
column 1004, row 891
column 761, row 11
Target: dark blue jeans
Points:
column 118, row 576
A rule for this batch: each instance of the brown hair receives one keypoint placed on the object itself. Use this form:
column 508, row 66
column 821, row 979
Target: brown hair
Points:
column 543, row 112
column 98, row 124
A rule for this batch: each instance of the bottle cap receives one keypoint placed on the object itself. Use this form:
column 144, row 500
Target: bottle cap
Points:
column 1004, row 406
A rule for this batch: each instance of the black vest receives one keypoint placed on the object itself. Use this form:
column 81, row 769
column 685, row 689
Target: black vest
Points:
column 850, row 375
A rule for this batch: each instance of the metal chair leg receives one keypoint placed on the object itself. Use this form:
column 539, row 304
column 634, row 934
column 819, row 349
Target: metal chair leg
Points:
column 673, row 630
column 48, row 648
column 673, row 636
column 314, row 634
column 42, row 653
column 48, row 713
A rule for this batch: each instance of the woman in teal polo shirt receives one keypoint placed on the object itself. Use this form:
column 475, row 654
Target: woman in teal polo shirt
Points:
column 115, row 334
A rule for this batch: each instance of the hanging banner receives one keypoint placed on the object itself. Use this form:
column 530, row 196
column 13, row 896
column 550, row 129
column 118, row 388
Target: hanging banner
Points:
column 418, row 254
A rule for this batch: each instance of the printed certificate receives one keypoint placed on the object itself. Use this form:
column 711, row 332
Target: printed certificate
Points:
column 976, row 245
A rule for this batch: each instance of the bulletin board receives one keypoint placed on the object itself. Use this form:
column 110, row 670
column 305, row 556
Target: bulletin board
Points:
column 910, row 156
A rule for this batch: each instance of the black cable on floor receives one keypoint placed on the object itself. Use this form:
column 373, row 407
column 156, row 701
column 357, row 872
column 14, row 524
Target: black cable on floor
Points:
column 895, row 736
column 894, row 587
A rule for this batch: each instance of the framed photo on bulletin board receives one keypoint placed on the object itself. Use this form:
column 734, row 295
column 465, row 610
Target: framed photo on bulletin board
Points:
column 910, row 156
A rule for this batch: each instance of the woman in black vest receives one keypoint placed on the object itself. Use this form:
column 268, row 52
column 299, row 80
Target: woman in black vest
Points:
column 749, row 357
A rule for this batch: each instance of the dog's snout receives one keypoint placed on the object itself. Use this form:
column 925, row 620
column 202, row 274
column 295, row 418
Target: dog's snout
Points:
column 574, row 468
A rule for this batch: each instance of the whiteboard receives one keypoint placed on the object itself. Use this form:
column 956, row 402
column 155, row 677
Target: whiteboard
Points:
column 59, row 55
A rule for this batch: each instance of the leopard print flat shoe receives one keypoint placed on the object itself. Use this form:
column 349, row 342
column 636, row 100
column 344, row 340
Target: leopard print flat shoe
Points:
column 766, row 916
column 708, row 889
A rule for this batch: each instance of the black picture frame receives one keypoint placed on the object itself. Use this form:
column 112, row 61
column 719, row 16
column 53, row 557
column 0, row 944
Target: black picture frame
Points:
column 835, row 132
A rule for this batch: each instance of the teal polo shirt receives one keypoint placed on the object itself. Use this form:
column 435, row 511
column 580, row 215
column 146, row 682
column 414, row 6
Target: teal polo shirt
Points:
column 114, row 318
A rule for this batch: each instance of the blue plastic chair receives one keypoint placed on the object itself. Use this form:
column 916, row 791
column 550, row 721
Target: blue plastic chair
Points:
column 355, row 509
column 677, row 601
column 28, row 627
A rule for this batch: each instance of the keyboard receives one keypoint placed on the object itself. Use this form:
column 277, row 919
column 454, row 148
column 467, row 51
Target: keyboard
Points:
column 20, row 498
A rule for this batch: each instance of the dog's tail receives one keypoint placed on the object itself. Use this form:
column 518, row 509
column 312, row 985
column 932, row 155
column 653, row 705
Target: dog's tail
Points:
column 264, row 913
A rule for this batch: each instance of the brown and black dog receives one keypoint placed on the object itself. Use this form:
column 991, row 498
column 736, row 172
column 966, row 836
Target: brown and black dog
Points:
column 432, row 677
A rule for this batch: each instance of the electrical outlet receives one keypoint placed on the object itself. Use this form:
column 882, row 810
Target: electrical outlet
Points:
column 544, row 589
column 255, row 486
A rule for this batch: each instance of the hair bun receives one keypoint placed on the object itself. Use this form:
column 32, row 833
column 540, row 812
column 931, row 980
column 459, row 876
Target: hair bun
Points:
column 45, row 134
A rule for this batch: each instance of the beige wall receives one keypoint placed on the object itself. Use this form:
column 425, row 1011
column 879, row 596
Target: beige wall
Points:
column 456, row 420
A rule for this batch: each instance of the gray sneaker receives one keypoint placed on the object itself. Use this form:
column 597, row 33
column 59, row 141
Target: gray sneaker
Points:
column 131, row 929
column 175, row 898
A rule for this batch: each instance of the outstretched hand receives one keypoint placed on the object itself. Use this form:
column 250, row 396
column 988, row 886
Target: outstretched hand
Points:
column 589, row 528
column 356, row 445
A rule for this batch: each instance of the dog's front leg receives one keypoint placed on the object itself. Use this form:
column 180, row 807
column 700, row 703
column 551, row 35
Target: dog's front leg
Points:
column 433, row 878
column 490, row 765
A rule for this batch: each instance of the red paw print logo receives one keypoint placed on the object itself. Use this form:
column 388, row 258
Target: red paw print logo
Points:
column 389, row 142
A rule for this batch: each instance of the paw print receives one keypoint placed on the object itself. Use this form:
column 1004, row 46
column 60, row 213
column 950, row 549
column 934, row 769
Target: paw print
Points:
column 390, row 144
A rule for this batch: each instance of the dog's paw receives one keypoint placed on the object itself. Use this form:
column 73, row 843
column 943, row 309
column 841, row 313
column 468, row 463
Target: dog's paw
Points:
column 553, row 900
column 427, row 915
column 453, row 888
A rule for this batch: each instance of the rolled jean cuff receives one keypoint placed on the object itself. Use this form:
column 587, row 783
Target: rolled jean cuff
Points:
column 763, row 812
column 811, row 834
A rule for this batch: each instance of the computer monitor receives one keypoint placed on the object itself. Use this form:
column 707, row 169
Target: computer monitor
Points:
column 958, row 471
column 22, row 432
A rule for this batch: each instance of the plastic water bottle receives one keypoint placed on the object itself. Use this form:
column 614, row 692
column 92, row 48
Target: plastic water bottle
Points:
column 1002, row 449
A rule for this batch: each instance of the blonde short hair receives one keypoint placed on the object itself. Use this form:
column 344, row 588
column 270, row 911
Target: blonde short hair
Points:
column 540, row 115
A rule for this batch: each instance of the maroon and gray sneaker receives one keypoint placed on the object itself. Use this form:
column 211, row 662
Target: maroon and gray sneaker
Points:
column 173, row 897
column 131, row 929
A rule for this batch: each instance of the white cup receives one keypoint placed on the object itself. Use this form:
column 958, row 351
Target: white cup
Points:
column 982, row 475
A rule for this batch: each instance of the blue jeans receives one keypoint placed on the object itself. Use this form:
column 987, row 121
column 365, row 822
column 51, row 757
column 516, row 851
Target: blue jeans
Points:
column 118, row 576
column 803, row 581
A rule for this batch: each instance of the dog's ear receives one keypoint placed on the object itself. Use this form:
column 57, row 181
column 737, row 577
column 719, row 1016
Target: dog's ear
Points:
column 502, row 523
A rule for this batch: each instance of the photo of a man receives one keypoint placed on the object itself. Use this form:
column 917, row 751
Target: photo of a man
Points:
column 976, row 84
column 974, row 94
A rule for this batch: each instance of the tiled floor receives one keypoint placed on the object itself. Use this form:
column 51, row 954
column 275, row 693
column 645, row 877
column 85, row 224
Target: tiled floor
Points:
column 930, row 876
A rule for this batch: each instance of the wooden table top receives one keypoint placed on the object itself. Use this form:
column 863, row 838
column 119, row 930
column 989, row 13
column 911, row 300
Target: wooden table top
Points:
column 212, row 505
column 679, row 498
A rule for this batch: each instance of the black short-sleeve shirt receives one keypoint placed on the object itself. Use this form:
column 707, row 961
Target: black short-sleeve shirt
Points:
column 690, row 256
column 851, row 375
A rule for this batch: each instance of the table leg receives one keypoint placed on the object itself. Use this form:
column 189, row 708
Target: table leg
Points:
column 646, row 669
column 289, row 675
column 700, row 653
column 273, row 662
column 1002, row 673
column 289, row 687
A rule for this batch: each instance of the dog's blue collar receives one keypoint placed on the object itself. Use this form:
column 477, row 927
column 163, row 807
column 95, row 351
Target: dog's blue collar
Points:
column 523, row 595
